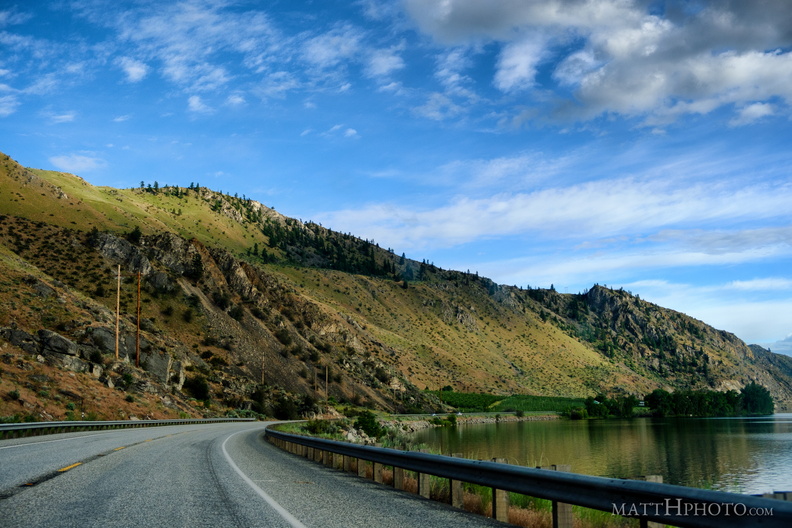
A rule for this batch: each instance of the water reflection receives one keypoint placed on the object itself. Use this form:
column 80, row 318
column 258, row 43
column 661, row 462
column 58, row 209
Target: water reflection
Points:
column 745, row 455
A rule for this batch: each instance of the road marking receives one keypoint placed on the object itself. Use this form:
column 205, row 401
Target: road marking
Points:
column 119, row 448
column 288, row 517
column 67, row 468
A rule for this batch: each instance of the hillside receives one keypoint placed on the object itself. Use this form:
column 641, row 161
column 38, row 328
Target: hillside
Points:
column 245, row 308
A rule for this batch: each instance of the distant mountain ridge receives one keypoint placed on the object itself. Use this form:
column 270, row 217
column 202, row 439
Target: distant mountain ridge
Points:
column 250, row 308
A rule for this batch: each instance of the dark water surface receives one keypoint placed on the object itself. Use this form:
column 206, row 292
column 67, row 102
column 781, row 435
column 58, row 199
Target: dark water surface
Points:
column 743, row 455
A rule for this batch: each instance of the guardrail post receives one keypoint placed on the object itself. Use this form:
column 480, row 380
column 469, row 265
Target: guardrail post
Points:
column 378, row 472
column 562, row 513
column 644, row 523
column 361, row 467
column 424, row 481
column 500, row 500
column 457, row 495
column 779, row 495
column 398, row 478
column 424, row 485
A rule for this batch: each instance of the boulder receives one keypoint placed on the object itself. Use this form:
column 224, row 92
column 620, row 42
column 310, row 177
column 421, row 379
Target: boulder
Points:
column 104, row 339
column 20, row 339
column 54, row 343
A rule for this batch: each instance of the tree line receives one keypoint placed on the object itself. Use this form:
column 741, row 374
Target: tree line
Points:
column 752, row 400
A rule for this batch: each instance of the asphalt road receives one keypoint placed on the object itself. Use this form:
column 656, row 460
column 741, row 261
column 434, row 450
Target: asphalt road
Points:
column 212, row 475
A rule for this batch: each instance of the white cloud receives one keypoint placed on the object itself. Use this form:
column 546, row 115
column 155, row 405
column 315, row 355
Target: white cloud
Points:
column 77, row 163
column 235, row 100
column 617, row 57
column 196, row 105
column 384, row 62
column 43, row 85
column 8, row 105
column 449, row 71
column 122, row 118
column 751, row 113
column 766, row 284
column 330, row 49
column 197, row 42
column 589, row 210
column 518, row 172
column 57, row 118
column 753, row 322
column 277, row 85
column 784, row 346
column 518, row 63
column 10, row 17
column 438, row 107
column 337, row 131
column 135, row 70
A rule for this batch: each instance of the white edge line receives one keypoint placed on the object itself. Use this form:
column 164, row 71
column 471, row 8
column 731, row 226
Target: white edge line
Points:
column 277, row 507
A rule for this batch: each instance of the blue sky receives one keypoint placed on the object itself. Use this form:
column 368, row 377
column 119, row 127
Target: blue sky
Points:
column 632, row 143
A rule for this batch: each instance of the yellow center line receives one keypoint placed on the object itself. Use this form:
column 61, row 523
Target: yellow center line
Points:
column 119, row 448
column 67, row 468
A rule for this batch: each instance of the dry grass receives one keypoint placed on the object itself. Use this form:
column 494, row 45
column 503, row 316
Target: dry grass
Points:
column 530, row 518
column 47, row 393
column 410, row 484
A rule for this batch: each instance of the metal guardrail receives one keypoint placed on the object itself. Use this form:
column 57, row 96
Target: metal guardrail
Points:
column 16, row 430
column 649, row 501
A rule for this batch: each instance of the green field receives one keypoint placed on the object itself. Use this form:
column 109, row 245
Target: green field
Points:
column 478, row 402
column 525, row 403
column 468, row 401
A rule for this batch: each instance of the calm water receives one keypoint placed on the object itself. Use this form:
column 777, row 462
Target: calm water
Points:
column 743, row 455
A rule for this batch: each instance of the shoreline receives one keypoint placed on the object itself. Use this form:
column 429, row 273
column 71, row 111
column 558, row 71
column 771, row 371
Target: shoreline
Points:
column 410, row 425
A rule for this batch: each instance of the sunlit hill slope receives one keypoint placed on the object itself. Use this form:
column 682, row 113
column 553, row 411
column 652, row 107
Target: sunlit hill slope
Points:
column 244, row 308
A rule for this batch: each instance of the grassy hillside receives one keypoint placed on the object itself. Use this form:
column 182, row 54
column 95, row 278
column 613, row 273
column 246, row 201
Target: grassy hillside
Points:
column 251, row 309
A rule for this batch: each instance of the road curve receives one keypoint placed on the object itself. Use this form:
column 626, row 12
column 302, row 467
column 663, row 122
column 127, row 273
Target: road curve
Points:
column 213, row 475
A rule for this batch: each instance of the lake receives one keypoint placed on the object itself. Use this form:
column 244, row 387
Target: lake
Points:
column 742, row 455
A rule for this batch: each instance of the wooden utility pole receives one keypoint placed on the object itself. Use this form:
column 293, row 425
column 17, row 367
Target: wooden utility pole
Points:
column 137, row 336
column 118, row 310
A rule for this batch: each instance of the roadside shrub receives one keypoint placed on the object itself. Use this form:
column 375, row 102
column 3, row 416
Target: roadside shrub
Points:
column 368, row 423
column 321, row 427
column 285, row 409
column 198, row 387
